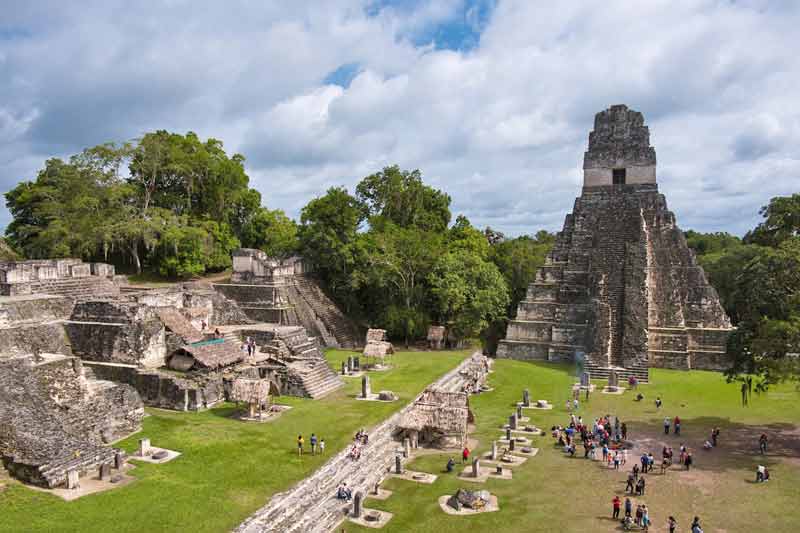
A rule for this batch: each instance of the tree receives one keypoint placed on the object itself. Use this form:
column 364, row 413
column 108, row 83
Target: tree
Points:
column 271, row 231
column 781, row 221
column 401, row 198
column 328, row 237
column 399, row 259
column 468, row 293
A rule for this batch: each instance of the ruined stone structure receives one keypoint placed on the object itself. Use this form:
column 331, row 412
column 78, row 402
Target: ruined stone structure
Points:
column 283, row 292
column 56, row 418
column 309, row 506
column 62, row 277
column 620, row 289
column 438, row 419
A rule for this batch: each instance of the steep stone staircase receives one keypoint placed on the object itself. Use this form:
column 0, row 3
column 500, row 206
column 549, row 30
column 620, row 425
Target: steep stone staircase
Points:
column 78, row 288
column 336, row 324
column 317, row 377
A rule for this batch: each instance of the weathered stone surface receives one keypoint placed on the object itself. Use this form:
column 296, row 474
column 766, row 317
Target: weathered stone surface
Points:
column 55, row 417
column 620, row 288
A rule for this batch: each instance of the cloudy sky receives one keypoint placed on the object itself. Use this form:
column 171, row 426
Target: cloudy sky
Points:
column 492, row 100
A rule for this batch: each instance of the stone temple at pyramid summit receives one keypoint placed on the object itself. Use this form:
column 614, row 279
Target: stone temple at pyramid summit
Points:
column 620, row 290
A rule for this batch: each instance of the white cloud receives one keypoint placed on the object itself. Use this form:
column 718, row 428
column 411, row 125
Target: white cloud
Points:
column 501, row 127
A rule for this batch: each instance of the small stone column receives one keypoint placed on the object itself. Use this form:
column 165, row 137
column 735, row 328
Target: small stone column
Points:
column 511, row 444
column 494, row 450
column 349, row 363
column 144, row 447
column 519, row 412
column 357, row 363
column 586, row 379
column 476, row 467
column 357, row 505
column 377, row 488
column 365, row 388
column 344, row 368
column 398, row 465
column 407, row 447
column 512, row 421
column 105, row 471
column 73, row 479
column 119, row 460
column 499, row 470
column 526, row 398
column 508, row 434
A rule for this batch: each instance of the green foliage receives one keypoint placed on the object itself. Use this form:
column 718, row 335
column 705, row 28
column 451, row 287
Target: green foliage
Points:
column 401, row 198
column 271, row 231
column 468, row 293
column 781, row 221
column 180, row 210
column 758, row 281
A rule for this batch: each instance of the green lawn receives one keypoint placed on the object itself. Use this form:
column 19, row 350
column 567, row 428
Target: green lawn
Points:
column 553, row 492
column 228, row 468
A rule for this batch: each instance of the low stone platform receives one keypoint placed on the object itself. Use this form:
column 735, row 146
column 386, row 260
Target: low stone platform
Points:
column 382, row 494
column 484, row 473
column 534, row 406
column 466, row 511
column 516, row 460
column 521, row 453
column 170, row 455
column 418, row 477
column 373, row 518
column 535, row 432
column 374, row 398
column 578, row 386
column 91, row 484
column 518, row 441
column 618, row 390
column 358, row 374
column 267, row 416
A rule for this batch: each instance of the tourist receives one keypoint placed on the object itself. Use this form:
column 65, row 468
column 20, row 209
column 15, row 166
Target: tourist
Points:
column 658, row 402
column 624, row 429
column 639, row 515
column 464, row 455
column 760, row 473
column 645, row 518
column 616, row 460
column 651, row 462
column 628, row 507
column 635, row 472
column 639, row 397
column 321, row 446
column 762, row 443
column 586, row 398
column 682, row 456
column 575, row 404
column 677, row 425
column 640, row 486
column 707, row 445
column 666, row 425
column 695, row 527
column 714, row 436
column 615, row 503
column 624, row 456
column 605, row 453
column 645, row 461
column 313, row 442
column 217, row 334
column 450, row 465
column 629, row 484
column 203, row 326
column 687, row 462
column 672, row 524
column 568, row 406
column 299, row 445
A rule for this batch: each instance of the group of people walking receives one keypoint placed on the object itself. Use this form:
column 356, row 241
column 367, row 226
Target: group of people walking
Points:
column 315, row 443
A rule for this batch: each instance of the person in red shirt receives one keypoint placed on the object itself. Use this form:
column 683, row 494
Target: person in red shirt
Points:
column 465, row 455
column 677, row 425
column 616, row 502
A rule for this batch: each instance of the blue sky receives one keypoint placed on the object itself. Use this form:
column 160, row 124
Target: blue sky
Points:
column 492, row 100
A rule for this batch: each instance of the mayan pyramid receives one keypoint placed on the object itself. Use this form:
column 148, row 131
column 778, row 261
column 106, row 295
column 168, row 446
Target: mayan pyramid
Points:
column 620, row 289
